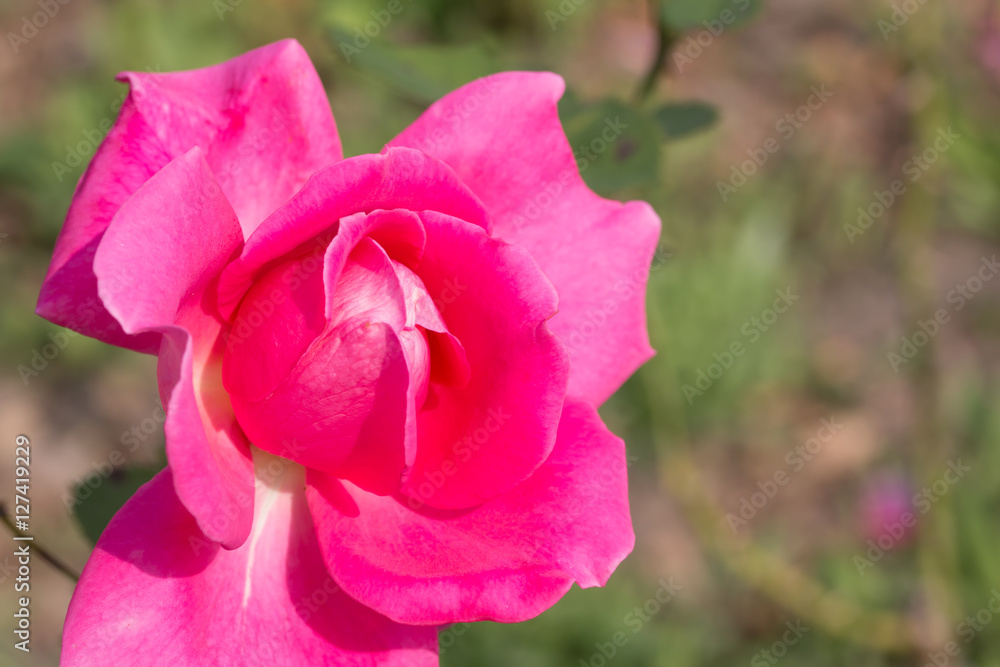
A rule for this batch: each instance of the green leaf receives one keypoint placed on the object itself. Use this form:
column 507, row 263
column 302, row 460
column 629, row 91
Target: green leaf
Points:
column 615, row 145
column 98, row 498
column 684, row 118
column 714, row 15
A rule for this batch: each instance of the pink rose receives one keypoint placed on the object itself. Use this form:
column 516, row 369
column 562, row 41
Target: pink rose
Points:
column 380, row 372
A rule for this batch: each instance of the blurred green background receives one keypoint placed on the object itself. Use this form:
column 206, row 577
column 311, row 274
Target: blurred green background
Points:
column 814, row 476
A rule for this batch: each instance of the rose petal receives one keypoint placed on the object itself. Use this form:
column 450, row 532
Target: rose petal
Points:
column 398, row 232
column 368, row 288
column 503, row 137
column 260, row 118
column 288, row 306
column 278, row 320
column 399, row 178
column 341, row 409
column 506, row 560
column 156, row 592
column 293, row 384
column 69, row 296
column 263, row 120
column 492, row 433
column 163, row 252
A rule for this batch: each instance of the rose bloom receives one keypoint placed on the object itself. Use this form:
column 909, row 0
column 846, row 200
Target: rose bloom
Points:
column 380, row 373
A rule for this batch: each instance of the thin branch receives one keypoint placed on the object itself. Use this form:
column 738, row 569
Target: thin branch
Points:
column 665, row 38
column 38, row 548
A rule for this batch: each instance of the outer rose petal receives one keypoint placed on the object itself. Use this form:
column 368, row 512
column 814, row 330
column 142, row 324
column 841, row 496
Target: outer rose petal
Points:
column 397, row 178
column 164, row 250
column 156, row 592
column 503, row 137
column 506, row 560
column 260, row 118
column 263, row 120
column 69, row 295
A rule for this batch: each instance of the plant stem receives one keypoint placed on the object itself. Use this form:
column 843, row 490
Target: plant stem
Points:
column 38, row 548
column 665, row 38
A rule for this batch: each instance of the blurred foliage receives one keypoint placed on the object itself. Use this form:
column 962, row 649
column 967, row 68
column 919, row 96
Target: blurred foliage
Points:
column 681, row 119
column 720, row 264
column 98, row 498
column 421, row 73
column 692, row 14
